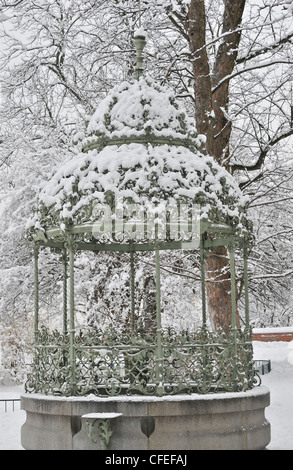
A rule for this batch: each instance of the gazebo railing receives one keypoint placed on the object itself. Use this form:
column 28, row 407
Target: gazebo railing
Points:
column 110, row 364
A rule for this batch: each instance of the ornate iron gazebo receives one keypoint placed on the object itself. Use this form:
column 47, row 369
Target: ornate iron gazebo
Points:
column 140, row 183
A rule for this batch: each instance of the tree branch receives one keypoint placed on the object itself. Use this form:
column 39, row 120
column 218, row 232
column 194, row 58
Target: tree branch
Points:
column 264, row 50
column 263, row 153
column 249, row 69
column 177, row 25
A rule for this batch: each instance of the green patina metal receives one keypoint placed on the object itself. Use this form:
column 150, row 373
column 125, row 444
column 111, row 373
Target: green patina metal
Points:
column 132, row 292
column 36, row 289
column 65, row 277
column 160, row 362
column 99, row 427
column 139, row 42
column 100, row 432
column 166, row 361
column 101, row 142
column 109, row 364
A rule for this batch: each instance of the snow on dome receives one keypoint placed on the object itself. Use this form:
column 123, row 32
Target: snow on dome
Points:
column 138, row 173
column 139, row 109
column 140, row 146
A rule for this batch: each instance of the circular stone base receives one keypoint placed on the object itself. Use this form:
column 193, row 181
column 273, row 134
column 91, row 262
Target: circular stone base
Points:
column 226, row 421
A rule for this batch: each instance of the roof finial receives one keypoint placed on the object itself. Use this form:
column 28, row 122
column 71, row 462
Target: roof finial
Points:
column 139, row 42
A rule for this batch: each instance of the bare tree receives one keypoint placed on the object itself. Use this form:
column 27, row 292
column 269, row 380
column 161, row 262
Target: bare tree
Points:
column 218, row 62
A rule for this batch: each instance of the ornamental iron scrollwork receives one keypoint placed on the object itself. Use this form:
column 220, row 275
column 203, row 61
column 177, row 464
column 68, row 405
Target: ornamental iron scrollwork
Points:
column 109, row 363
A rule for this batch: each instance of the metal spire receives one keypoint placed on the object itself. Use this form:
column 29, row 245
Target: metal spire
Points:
column 139, row 42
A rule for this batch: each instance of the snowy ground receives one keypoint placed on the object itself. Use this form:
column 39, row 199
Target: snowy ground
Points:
column 279, row 413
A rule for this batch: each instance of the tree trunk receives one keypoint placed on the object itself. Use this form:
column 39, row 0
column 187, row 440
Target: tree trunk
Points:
column 211, row 116
column 223, row 67
column 201, row 72
column 218, row 288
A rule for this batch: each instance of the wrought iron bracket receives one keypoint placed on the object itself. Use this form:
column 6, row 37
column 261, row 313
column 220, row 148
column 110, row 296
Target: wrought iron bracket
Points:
column 99, row 427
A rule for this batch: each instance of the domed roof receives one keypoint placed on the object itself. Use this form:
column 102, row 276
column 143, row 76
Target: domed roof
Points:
column 140, row 111
column 140, row 145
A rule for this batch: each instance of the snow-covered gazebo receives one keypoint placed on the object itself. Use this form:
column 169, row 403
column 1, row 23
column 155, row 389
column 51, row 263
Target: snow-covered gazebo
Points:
column 140, row 182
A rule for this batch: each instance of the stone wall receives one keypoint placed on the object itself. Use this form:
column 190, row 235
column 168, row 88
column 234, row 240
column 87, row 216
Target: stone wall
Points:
column 227, row 421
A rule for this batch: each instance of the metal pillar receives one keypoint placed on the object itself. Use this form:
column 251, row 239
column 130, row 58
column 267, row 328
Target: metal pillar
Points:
column 36, row 288
column 132, row 292
column 65, row 276
column 234, row 310
column 71, row 319
column 246, row 284
column 159, row 353
column 233, row 286
column 203, row 287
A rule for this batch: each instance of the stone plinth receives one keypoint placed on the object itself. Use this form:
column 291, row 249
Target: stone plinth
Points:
column 227, row 421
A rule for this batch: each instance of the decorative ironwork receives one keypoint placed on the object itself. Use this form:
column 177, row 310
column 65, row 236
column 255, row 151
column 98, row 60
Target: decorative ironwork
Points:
column 110, row 363
column 99, row 427
column 160, row 202
column 100, row 432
